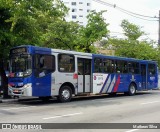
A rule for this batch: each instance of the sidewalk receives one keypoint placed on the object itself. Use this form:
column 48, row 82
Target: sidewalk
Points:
column 2, row 100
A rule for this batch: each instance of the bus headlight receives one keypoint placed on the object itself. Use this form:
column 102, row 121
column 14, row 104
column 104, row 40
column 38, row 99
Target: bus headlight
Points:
column 28, row 85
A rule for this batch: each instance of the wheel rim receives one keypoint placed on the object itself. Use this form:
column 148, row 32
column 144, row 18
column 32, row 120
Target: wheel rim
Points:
column 66, row 94
column 132, row 89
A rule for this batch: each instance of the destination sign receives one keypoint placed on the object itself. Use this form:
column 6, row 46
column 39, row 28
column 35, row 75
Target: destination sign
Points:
column 19, row 50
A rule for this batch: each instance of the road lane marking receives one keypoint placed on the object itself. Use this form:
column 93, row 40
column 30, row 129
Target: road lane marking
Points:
column 132, row 130
column 150, row 102
column 18, row 108
column 59, row 116
column 105, row 100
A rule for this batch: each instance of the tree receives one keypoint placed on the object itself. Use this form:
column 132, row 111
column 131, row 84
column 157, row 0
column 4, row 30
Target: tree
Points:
column 132, row 31
column 94, row 31
column 62, row 34
column 25, row 22
column 132, row 46
column 5, row 39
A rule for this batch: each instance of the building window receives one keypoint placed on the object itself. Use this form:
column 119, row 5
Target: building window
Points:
column 74, row 10
column 74, row 16
column 80, row 9
column 74, row 3
column 80, row 15
column 80, row 2
column 88, row 10
column 88, row 4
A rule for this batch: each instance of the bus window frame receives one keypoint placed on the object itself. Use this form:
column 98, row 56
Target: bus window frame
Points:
column 40, row 70
column 73, row 63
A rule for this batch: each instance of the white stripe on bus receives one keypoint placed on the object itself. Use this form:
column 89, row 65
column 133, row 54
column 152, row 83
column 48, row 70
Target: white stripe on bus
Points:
column 111, row 85
column 107, row 84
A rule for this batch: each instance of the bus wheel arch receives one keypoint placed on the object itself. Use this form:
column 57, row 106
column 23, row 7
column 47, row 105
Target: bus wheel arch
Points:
column 65, row 92
column 132, row 88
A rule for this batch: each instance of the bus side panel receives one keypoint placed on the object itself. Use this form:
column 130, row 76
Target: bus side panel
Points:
column 42, row 86
column 152, row 80
column 100, row 82
column 137, row 79
column 108, row 83
column 122, row 82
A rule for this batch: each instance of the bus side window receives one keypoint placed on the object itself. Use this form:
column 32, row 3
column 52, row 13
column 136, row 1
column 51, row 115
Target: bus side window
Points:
column 108, row 65
column 66, row 63
column 151, row 69
column 98, row 65
column 44, row 64
column 133, row 67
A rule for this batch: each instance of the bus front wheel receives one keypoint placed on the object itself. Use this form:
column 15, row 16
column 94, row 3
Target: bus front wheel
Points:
column 65, row 94
column 132, row 89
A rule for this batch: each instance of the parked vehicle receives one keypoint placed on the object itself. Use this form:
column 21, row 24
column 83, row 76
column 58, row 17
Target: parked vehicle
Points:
column 45, row 72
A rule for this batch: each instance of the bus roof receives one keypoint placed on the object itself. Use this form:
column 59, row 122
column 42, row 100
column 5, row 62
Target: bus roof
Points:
column 50, row 50
column 122, row 58
column 45, row 50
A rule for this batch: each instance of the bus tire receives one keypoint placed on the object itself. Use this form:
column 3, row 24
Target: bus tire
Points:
column 65, row 94
column 132, row 89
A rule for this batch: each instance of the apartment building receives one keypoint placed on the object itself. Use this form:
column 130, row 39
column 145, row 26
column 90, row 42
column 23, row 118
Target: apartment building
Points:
column 79, row 9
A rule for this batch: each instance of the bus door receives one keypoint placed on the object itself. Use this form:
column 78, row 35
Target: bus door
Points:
column 43, row 67
column 144, row 76
column 84, row 75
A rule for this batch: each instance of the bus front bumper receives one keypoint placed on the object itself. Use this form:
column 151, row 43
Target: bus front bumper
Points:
column 26, row 90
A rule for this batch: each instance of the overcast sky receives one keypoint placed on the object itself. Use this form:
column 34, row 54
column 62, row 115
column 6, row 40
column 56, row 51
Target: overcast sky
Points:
column 144, row 7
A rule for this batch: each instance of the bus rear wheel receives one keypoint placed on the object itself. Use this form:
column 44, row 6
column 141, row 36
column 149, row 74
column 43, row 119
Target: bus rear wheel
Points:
column 65, row 94
column 132, row 89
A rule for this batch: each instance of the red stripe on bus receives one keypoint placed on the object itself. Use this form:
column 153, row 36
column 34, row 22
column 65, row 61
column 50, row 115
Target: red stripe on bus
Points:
column 117, row 84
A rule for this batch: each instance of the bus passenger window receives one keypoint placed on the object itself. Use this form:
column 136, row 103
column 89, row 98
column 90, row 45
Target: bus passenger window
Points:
column 108, row 65
column 44, row 64
column 133, row 67
column 98, row 65
column 66, row 63
column 151, row 69
column 121, row 66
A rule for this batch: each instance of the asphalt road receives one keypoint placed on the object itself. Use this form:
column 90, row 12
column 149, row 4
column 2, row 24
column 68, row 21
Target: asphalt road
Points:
column 144, row 107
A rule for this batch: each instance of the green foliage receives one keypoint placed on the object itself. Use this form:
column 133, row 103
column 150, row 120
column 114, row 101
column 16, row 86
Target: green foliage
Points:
column 132, row 31
column 25, row 22
column 135, row 49
column 94, row 31
column 61, row 34
column 132, row 47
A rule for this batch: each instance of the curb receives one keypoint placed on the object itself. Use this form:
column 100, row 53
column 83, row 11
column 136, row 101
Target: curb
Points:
column 8, row 100
column 17, row 99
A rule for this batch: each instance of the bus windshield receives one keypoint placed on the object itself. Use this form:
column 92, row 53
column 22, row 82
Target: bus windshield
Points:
column 21, row 66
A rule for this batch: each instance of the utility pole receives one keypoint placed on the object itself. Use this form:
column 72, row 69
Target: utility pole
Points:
column 159, row 30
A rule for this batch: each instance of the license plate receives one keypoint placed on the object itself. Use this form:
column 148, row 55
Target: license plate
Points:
column 16, row 91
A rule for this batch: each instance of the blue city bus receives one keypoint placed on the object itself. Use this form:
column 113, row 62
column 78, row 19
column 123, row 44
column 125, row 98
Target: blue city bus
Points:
column 45, row 73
